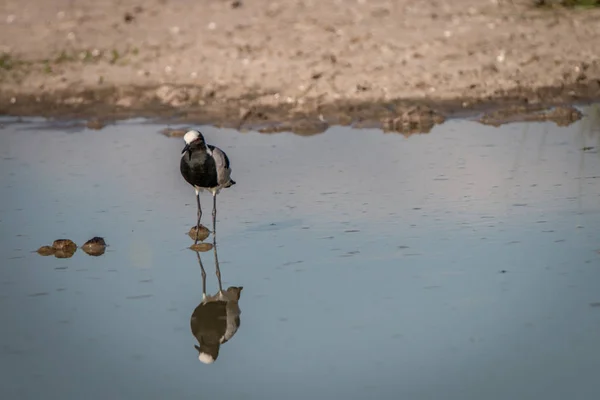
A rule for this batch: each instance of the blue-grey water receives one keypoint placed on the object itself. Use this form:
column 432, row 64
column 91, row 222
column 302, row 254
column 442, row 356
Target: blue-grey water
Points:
column 460, row 264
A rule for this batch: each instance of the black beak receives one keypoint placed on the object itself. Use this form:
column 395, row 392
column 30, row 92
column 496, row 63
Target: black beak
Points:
column 189, row 152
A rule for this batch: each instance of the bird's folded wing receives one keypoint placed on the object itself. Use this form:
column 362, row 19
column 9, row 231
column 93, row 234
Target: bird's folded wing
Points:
column 222, row 164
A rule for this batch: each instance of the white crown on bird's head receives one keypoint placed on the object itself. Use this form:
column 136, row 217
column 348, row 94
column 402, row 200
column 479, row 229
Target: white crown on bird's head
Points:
column 192, row 135
column 208, row 354
column 206, row 358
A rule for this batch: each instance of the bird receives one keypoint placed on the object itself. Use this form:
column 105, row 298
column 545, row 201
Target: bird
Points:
column 217, row 318
column 204, row 167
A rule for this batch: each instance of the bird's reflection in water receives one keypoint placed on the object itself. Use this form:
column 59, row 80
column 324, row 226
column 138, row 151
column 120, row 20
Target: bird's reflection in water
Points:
column 217, row 317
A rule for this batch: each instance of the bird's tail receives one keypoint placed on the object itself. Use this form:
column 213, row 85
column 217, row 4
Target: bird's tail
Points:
column 230, row 183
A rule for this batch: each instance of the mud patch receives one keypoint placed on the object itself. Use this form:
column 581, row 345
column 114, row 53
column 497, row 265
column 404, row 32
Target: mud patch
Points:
column 95, row 124
column 302, row 127
column 561, row 116
column 309, row 118
column 418, row 119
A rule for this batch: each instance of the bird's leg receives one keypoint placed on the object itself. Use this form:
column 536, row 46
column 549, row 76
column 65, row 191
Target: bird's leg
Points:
column 214, row 214
column 199, row 215
column 203, row 276
column 218, row 272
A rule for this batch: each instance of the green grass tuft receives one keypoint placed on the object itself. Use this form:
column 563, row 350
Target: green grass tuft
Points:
column 568, row 3
column 6, row 62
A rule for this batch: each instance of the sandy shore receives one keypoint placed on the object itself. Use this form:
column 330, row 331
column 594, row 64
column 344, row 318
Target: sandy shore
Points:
column 315, row 62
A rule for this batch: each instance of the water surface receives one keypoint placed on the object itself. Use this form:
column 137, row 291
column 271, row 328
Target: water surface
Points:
column 460, row 264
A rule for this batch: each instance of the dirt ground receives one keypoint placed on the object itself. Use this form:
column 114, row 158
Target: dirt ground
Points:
column 293, row 64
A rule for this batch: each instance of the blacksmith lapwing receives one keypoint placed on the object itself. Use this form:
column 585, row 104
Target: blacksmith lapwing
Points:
column 204, row 167
column 217, row 318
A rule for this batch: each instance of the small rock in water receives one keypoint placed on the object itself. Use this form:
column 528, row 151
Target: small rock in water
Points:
column 45, row 251
column 64, row 248
column 64, row 253
column 61, row 248
column 95, row 124
column 201, row 247
column 95, row 246
column 64, row 245
column 201, row 234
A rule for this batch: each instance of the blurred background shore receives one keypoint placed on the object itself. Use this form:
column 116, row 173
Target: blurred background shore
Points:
column 226, row 60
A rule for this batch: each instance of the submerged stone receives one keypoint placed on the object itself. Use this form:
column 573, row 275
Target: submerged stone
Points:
column 96, row 246
column 45, row 251
column 68, row 253
column 201, row 247
column 95, row 124
column 201, row 233
column 65, row 245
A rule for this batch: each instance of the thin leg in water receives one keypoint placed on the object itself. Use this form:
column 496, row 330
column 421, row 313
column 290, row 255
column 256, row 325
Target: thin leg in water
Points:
column 217, row 263
column 214, row 214
column 199, row 215
column 203, row 276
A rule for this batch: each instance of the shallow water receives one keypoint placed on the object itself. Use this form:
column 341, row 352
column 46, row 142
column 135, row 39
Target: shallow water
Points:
column 460, row 264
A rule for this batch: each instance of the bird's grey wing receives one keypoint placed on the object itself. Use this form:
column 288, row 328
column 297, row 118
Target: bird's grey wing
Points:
column 222, row 164
column 233, row 321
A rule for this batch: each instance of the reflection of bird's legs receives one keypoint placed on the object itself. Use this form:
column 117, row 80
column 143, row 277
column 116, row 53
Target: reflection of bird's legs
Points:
column 199, row 215
column 217, row 263
column 214, row 213
column 203, row 276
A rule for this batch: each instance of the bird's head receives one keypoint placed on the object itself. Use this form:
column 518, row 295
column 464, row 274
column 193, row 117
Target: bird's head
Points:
column 190, row 137
column 207, row 354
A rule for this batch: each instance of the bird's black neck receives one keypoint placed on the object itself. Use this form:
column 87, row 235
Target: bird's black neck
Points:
column 197, row 148
column 197, row 145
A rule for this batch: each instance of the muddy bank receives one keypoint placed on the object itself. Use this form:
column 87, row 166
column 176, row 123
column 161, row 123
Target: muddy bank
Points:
column 296, row 65
column 99, row 107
